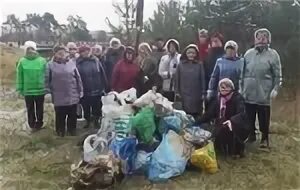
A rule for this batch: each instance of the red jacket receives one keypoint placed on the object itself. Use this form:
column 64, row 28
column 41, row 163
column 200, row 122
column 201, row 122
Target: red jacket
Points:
column 203, row 51
column 125, row 76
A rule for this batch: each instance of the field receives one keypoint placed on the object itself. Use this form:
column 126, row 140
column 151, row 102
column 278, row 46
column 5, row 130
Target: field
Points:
column 41, row 161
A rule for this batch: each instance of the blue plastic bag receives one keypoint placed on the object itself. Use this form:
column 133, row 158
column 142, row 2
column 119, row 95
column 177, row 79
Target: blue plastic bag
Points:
column 169, row 159
column 172, row 122
column 125, row 150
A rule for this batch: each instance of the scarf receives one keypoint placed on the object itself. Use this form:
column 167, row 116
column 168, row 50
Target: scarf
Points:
column 223, row 101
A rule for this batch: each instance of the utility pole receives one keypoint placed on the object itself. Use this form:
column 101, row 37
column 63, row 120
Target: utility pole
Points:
column 139, row 22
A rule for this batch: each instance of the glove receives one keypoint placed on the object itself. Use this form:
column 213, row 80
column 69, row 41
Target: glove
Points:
column 81, row 94
column 228, row 124
column 274, row 94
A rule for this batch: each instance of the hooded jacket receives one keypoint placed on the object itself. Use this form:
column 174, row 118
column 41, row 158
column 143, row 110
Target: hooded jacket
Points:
column 113, row 56
column 64, row 83
column 92, row 75
column 190, row 82
column 31, row 74
column 261, row 75
column 168, row 66
column 125, row 74
column 226, row 68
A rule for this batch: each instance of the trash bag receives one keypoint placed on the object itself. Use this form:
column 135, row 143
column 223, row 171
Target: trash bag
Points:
column 205, row 158
column 125, row 150
column 172, row 122
column 122, row 126
column 169, row 159
column 143, row 125
column 103, row 173
column 95, row 145
column 141, row 160
column 156, row 100
column 196, row 135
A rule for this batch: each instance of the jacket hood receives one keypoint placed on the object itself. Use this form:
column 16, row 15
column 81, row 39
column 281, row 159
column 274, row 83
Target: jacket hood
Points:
column 127, row 49
column 263, row 30
column 194, row 46
column 30, row 44
column 174, row 41
column 231, row 43
column 115, row 40
column 145, row 47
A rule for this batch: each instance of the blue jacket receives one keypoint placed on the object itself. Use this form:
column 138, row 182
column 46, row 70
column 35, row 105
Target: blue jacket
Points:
column 93, row 76
column 225, row 68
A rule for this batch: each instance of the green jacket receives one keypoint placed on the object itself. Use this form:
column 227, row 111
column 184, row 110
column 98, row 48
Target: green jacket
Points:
column 31, row 76
column 261, row 74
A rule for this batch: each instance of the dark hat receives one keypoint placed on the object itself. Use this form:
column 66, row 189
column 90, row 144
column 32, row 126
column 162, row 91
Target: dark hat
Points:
column 58, row 48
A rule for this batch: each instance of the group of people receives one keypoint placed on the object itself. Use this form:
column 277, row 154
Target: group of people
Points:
column 210, row 79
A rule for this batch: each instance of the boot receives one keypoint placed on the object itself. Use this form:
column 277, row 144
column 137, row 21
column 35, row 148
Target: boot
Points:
column 264, row 143
column 251, row 138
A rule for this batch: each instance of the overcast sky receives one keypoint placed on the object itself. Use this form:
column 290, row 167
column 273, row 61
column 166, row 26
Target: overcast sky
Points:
column 92, row 11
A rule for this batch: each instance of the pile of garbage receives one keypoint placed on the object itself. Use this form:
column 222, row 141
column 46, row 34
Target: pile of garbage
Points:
column 144, row 136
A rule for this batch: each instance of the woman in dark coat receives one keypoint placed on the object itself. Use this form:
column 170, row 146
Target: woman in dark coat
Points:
column 231, row 128
column 190, row 82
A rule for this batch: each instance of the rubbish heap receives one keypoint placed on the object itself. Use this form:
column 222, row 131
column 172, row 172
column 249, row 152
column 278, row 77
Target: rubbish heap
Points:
column 142, row 136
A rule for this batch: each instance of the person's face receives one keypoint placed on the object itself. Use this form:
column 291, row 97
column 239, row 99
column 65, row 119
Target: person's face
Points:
column 262, row 38
column 115, row 45
column 172, row 48
column 216, row 42
column 96, row 51
column 61, row 54
column 224, row 90
column 160, row 44
column 30, row 52
column 191, row 54
column 85, row 53
column 129, row 55
column 72, row 51
column 230, row 52
column 202, row 39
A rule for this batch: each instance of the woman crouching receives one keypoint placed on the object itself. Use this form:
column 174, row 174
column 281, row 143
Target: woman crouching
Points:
column 228, row 111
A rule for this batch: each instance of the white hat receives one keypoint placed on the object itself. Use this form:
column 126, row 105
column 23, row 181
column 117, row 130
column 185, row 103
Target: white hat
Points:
column 231, row 43
column 30, row 44
column 227, row 82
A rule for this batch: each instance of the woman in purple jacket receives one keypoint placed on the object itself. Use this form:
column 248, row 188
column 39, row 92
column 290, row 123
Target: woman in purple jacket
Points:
column 64, row 84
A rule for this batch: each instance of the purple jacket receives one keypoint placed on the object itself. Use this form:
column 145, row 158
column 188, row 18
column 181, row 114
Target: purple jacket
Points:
column 64, row 83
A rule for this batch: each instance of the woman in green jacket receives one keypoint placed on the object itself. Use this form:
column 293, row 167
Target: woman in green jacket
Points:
column 31, row 84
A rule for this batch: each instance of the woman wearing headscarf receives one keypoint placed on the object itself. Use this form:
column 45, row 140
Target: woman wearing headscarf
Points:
column 64, row 83
column 190, row 81
column 231, row 129
column 203, row 42
column 261, row 81
column 149, row 67
column 126, row 73
column 228, row 66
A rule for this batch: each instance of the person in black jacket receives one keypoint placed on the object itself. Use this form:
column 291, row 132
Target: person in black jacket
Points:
column 231, row 129
column 94, row 83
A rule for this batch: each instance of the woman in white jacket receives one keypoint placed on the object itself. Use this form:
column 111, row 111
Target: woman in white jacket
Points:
column 167, row 68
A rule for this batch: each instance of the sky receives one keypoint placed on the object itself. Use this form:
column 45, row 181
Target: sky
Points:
column 93, row 12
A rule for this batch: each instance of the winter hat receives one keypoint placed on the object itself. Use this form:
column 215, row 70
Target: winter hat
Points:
column 30, row 44
column 194, row 46
column 227, row 82
column 172, row 41
column 98, row 47
column 265, row 31
column 71, row 45
column 115, row 40
column 58, row 48
column 145, row 47
column 232, row 44
column 84, row 48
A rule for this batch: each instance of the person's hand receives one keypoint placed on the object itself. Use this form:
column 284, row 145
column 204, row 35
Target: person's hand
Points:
column 81, row 94
column 209, row 95
column 228, row 124
column 274, row 94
